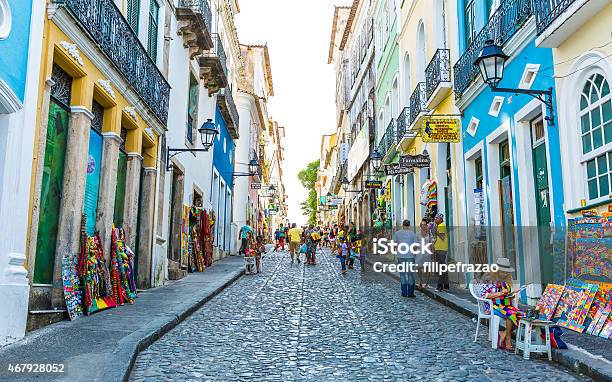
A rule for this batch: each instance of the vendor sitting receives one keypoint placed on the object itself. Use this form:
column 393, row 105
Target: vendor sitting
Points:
column 497, row 286
column 260, row 249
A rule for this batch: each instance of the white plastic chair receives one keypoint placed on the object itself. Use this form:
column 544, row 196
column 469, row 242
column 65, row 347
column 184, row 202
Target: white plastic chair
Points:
column 249, row 262
column 494, row 320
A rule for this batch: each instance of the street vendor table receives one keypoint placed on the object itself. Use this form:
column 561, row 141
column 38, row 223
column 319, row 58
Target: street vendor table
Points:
column 526, row 328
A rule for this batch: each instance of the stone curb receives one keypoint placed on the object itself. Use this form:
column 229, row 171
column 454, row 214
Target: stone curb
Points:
column 130, row 346
column 573, row 358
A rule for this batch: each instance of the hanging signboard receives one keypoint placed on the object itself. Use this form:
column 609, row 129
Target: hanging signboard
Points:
column 414, row 161
column 323, row 200
column 441, row 130
column 397, row 169
column 335, row 201
column 373, row 184
column 343, row 152
column 255, row 186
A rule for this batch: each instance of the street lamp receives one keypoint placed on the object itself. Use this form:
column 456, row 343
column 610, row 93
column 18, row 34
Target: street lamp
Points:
column 208, row 131
column 253, row 166
column 376, row 159
column 491, row 63
column 345, row 184
column 272, row 191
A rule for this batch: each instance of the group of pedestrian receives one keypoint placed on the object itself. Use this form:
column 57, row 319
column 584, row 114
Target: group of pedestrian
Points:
column 433, row 232
column 348, row 246
column 279, row 237
column 250, row 245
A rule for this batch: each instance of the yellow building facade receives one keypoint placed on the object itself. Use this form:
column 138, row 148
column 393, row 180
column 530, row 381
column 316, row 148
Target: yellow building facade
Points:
column 102, row 109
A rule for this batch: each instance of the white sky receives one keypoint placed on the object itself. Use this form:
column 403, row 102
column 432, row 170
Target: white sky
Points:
column 297, row 34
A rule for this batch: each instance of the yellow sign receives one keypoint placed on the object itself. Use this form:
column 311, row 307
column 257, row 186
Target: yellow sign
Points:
column 441, row 130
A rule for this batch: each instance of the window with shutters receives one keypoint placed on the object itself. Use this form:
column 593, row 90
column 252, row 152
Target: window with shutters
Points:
column 133, row 11
column 192, row 108
column 152, row 33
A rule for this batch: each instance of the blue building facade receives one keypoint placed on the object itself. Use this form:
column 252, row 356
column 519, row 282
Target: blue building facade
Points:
column 513, row 177
column 14, row 42
column 222, row 183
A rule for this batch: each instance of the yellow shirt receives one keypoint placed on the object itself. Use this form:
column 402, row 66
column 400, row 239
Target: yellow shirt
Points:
column 441, row 244
column 295, row 234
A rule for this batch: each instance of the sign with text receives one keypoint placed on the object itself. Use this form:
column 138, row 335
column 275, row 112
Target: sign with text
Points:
column 334, row 201
column 396, row 169
column 414, row 161
column 255, row 186
column 373, row 184
column 441, row 130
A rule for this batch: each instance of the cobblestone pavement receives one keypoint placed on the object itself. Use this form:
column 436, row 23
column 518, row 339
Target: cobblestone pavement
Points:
column 296, row 322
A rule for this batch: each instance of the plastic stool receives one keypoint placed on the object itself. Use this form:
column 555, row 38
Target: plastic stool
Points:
column 526, row 328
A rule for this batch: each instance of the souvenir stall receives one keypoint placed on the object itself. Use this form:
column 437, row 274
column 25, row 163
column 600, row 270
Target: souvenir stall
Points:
column 88, row 284
column 584, row 303
column 196, row 238
column 429, row 197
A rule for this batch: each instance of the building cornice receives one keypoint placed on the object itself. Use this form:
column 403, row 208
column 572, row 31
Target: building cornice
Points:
column 9, row 102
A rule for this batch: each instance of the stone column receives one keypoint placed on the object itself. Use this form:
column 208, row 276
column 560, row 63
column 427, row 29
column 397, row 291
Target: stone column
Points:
column 108, row 185
column 145, row 230
column 175, row 270
column 73, row 194
column 132, row 193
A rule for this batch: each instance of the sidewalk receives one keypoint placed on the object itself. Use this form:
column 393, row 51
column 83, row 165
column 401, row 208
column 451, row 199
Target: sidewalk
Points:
column 589, row 355
column 104, row 346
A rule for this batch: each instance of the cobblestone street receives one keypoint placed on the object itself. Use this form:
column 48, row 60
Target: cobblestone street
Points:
column 296, row 322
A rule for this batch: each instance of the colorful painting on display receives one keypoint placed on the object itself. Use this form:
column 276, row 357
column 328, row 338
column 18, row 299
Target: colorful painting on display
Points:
column 549, row 300
column 600, row 319
column 578, row 314
column 72, row 286
column 606, row 332
column 185, row 236
column 571, row 294
column 602, row 298
column 92, row 181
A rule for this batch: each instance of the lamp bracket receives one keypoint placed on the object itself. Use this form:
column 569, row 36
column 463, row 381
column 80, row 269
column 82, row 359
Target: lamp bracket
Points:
column 171, row 153
column 544, row 96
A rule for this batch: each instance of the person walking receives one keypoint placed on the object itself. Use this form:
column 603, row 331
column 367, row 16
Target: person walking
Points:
column 281, row 238
column 422, row 257
column 406, row 236
column 312, row 239
column 295, row 239
column 342, row 253
column 441, row 251
column 243, row 235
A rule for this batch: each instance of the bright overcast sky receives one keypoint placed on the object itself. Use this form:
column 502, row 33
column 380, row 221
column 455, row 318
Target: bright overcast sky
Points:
column 297, row 34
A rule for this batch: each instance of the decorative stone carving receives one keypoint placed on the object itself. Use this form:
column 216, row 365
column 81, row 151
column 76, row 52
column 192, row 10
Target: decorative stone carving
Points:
column 106, row 85
column 131, row 110
column 72, row 51
column 150, row 133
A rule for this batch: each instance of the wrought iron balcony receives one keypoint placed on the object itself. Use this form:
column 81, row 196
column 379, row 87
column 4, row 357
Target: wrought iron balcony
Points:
column 437, row 76
column 508, row 19
column 213, row 67
column 418, row 102
column 404, row 129
column 103, row 21
column 388, row 139
column 229, row 112
column 195, row 25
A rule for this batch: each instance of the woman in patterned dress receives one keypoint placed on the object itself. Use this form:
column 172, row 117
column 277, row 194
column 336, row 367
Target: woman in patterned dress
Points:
column 498, row 288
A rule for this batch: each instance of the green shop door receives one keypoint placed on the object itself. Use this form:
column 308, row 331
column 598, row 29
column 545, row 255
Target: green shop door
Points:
column 51, row 191
column 542, row 198
column 94, row 165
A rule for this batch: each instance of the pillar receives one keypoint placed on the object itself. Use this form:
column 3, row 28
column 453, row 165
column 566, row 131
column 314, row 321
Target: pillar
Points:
column 145, row 230
column 108, row 185
column 132, row 193
column 73, row 194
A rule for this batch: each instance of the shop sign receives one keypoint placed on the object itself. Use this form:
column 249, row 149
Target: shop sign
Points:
column 373, row 184
column 397, row 169
column 590, row 213
column 255, row 186
column 414, row 161
column 335, row 201
column 441, row 130
column 322, row 200
column 343, row 152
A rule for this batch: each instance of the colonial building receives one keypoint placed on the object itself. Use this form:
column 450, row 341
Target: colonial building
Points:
column 21, row 24
column 511, row 150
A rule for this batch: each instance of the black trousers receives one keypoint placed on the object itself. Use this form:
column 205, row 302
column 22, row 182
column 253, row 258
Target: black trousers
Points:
column 443, row 278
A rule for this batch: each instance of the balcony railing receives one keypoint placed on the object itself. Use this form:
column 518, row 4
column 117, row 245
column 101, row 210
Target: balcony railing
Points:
column 388, row 139
column 437, row 71
column 503, row 24
column 113, row 35
column 213, row 66
column 403, row 125
column 219, row 52
column 418, row 102
column 546, row 11
column 199, row 6
column 229, row 111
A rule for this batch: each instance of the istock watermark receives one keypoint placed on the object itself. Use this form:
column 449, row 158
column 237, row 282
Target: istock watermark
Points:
column 384, row 246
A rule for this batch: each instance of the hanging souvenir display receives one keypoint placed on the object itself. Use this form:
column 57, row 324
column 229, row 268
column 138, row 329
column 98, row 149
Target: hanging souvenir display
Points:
column 549, row 300
column 207, row 238
column 72, row 286
column 122, row 269
column 97, row 293
column 185, row 236
column 429, row 193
